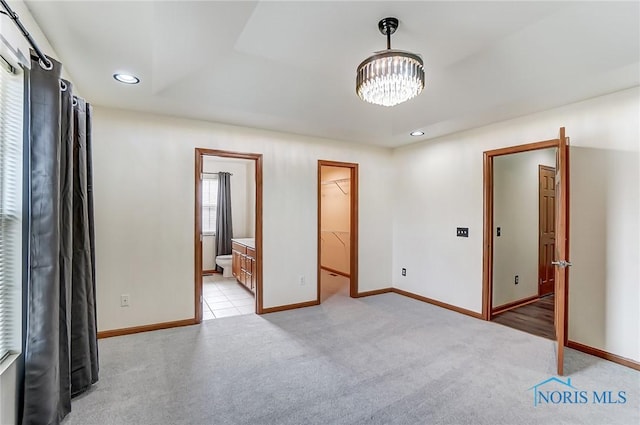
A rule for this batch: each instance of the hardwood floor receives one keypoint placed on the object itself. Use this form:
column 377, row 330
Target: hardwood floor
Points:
column 535, row 318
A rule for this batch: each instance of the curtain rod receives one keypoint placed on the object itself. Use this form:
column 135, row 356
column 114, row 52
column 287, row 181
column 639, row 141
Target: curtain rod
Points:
column 45, row 63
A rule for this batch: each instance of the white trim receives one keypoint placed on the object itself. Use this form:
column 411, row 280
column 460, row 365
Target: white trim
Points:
column 6, row 363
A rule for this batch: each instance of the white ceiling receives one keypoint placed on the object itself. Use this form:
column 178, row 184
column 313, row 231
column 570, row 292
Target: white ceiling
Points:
column 290, row 66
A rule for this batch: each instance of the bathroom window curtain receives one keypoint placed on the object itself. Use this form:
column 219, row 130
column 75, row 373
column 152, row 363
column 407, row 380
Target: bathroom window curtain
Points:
column 224, row 227
column 60, row 348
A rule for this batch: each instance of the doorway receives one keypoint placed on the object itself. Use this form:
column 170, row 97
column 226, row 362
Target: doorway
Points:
column 221, row 288
column 337, row 229
column 547, row 228
column 526, row 239
column 523, row 220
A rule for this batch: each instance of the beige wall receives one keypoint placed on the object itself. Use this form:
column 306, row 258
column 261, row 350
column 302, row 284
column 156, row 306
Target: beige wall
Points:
column 604, row 296
column 335, row 220
column 208, row 252
column 438, row 186
column 515, row 211
column 150, row 256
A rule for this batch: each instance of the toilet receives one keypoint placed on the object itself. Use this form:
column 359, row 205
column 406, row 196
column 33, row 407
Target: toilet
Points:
column 224, row 261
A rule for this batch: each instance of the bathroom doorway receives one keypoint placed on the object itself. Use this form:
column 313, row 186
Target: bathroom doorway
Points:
column 228, row 234
column 337, row 229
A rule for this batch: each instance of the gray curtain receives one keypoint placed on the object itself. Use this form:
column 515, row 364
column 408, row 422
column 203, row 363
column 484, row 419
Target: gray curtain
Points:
column 224, row 227
column 60, row 348
column 84, row 342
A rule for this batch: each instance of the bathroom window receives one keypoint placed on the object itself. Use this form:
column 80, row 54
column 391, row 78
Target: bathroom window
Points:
column 209, row 199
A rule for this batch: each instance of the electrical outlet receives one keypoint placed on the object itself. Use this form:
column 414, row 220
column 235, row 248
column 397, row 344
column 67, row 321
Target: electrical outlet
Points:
column 517, row 279
column 124, row 300
column 302, row 280
column 404, row 272
column 462, row 232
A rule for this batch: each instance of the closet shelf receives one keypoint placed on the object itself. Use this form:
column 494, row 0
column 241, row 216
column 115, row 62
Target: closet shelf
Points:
column 337, row 183
column 326, row 182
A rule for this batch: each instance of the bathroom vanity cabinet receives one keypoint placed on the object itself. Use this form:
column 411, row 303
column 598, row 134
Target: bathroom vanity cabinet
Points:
column 243, row 264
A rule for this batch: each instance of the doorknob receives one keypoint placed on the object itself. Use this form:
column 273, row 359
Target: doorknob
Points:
column 562, row 263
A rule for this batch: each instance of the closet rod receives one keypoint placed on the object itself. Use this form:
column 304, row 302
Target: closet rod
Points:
column 45, row 63
column 335, row 181
column 210, row 174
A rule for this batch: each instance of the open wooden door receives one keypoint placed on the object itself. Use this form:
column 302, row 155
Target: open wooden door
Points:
column 198, row 239
column 561, row 245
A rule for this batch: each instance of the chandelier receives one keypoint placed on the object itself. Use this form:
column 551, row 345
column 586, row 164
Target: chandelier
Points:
column 390, row 77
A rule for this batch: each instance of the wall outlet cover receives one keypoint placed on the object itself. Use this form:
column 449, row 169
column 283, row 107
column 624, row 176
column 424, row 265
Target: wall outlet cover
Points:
column 462, row 232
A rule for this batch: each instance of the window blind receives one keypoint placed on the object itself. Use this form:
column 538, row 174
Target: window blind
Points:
column 11, row 122
column 209, row 201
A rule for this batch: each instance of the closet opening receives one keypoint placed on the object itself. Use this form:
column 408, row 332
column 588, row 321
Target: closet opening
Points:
column 228, row 234
column 337, row 229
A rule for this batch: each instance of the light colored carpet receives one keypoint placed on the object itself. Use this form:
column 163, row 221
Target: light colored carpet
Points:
column 385, row 359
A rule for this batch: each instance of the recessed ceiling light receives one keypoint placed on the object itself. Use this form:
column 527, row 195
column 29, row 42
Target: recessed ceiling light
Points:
column 126, row 78
column 417, row 133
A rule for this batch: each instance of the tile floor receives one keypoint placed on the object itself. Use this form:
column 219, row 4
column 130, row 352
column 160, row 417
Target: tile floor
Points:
column 224, row 297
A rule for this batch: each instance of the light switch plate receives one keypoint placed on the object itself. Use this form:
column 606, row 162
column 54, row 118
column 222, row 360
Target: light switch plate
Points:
column 462, row 232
